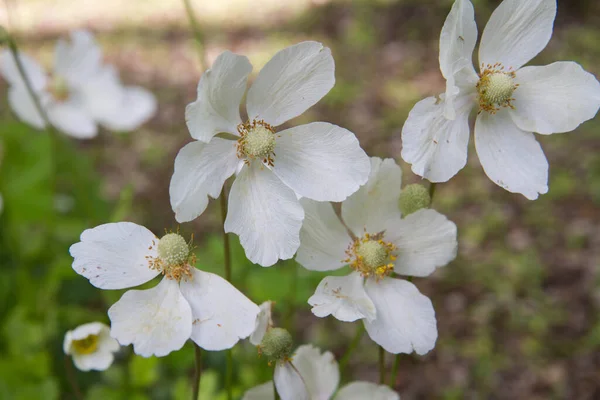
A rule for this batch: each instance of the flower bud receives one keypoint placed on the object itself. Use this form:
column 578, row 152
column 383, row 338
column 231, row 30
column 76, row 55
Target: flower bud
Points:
column 413, row 198
column 277, row 344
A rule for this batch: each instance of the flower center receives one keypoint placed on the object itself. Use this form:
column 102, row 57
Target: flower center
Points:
column 58, row 88
column 87, row 345
column 257, row 141
column 174, row 255
column 371, row 256
column 495, row 88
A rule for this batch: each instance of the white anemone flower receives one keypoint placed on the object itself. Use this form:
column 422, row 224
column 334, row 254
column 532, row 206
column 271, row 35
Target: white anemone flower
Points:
column 512, row 101
column 90, row 346
column 396, row 315
column 320, row 161
column 312, row 375
column 187, row 303
column 80, row 93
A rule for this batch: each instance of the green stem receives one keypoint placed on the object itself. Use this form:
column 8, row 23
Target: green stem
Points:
column 360, row 330
column 197, row 33
column 229, row 375
column 381, row 365
column 394, row 371
column 432, row 186
column 226, row 245
column 197, row 372
column 72, row 379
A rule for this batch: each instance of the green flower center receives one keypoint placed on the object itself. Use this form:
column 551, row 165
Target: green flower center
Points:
column 371, row 256
column 87, row 345
column 495, row 89
column 58, row 88
column 373, row 253
column 173, row 249
column 257, row 141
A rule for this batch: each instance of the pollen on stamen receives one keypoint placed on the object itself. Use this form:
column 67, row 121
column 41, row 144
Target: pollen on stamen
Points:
column 495, row 88
column 175, row 257
column 371, row 256
column 257, row 141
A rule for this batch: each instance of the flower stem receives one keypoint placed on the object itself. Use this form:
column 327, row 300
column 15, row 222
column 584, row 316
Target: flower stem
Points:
column 381, row 365
column 226, row 245
column 197, row 33
column 229, row 374
column 394, row 371
column 72, row 379
column 360, row 330
column 432, row 191
column 197, row 371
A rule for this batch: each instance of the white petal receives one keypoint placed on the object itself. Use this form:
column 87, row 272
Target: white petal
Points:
column 200, row 171
column 115, row 256
column 375, row 204
column 220, row 92
column 323, row 238
column 289, row 383
column 516, row 32
column 344, row 297
column 294, row 80
column 24, row 107
column 266, row 215
column 35, row 74
column 426, row 240
column 221, row 314
column 72, row 118
column 434, row 145
column 78, row 60
column 98, row 361
column 324, row 150
column 457, row 42
column 554, row 99
column 510, row 157
column 263, row 323
column 137, row 106
column 261, row 392
column 106, row 343
column 366, row 390
column 157, row 321
column 320, row 371
column 405, row 318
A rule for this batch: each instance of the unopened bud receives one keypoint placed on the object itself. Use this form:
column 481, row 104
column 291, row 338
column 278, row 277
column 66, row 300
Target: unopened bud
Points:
column 277, row 344
column 413, row 198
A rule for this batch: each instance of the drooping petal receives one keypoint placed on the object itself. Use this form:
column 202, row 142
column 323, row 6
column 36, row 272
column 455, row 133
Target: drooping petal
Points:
column 320, row 371
column 323, row 238
column 375, row 204
column 405, row 318
column 97, row 361
column 554, row 99
column 24, row 107
column 434, row 145
column 200, row 171
column 263, row 323
column 72, row 118
column 294, row 80
column 425, row 240
column 35, row 74
column 344, row 297
column 366, row 390
column 221, row 314
column 156, row 321
column 266, row 215
column 79, row 59
column 457, row 42
column 290, row 385
column 265, row 391
column 516, row 32
column 510, row 157
column 115, row 255
column 220, row 92
column 324, row 150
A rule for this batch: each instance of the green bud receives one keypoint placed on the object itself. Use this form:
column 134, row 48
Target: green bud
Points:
column 413, row 198
column 277, row 344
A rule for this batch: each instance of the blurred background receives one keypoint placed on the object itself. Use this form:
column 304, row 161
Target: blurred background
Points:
column 518, row 310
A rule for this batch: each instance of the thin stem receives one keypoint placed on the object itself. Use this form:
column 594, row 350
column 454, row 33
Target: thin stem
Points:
column 229, row 375
column 381, row 365
column 394, row 371
column 197, row 372
column 360, row 330
column 226, row 245
column 432, row 190
column 72, row 379
column 197, row 33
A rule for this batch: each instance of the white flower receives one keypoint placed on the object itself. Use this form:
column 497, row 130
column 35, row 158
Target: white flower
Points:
column 91, row 346
column 320, row 161
column 396, row 315
column 512, row 101
column 187, row 303
column 310, row 375
column 263, row 323
column 80, row 93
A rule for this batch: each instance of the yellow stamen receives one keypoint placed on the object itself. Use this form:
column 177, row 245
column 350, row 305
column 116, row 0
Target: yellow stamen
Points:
column 87, row 345
column 257, row 141
column 371, row 256
column 495, row 88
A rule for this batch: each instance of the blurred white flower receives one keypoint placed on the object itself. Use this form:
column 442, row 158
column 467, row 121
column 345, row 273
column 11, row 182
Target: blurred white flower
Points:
column 320, row 161
column 396, row 315
column 187, row 303
column 91, row 346
column 512, row 101
column 263, row 323
column 80, row 93
column 310, row 375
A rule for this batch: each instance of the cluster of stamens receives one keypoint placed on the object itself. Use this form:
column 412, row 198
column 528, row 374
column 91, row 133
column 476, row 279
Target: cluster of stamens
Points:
column 58, row 88
column 87, row 345
column 495, row 88
column 371, row 256
column 257, row 141
column 174, row 257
